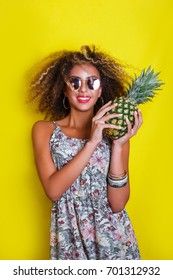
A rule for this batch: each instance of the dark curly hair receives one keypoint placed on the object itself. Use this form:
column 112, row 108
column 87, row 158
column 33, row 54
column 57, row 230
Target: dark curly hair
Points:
column 47, row 86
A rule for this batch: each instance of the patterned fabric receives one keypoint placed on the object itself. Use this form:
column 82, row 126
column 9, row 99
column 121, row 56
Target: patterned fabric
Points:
column 83, row 226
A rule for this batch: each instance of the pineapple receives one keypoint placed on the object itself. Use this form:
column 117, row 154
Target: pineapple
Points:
column 141, row 90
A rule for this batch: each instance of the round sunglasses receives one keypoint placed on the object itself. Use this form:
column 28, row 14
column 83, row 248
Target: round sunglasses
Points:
column 75, row 83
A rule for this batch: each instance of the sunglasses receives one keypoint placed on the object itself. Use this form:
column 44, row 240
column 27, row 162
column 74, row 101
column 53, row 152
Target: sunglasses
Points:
column 75, row 83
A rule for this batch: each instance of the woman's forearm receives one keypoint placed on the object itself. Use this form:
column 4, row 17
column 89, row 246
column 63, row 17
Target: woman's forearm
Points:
column 117, row 164
column 63, row 178
column 118, row 197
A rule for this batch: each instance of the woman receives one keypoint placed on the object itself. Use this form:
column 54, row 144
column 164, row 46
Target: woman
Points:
column 85, row 176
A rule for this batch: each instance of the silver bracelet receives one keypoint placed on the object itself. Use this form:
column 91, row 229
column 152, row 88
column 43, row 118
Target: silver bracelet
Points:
column 117, row 183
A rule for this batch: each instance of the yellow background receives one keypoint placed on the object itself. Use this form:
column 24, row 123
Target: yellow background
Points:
column 137, row 32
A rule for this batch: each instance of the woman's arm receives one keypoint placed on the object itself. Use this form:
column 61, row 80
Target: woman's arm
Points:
column 56, row 182
column 118, row 197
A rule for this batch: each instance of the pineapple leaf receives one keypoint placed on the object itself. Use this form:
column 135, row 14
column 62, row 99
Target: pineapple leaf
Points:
column 142, row 88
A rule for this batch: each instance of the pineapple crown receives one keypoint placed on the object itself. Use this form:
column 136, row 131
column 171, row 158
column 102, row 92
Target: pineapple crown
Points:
column 142, row 88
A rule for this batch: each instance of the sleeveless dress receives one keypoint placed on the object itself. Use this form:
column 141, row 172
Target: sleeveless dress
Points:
column 83, row 226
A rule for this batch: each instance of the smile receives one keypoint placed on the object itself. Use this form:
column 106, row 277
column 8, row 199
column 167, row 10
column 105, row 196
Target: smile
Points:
column 82, row 99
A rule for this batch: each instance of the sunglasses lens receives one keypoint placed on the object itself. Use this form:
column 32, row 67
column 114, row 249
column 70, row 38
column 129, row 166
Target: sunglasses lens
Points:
column 93, row 83
column 75, row 83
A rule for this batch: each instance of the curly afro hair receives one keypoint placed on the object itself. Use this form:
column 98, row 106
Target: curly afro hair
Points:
column 47, row 86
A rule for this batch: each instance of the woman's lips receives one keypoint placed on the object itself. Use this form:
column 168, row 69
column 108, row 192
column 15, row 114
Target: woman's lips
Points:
column 82, row 99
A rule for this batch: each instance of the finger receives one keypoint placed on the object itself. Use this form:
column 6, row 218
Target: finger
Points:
column 133, row 130
column 136, row 122
column 108, row 125
column 129, row 126
column 140, row 117
column 107, row 104
column 104, row 106
column 113, row 126
column 104, row 110
column 108, row 117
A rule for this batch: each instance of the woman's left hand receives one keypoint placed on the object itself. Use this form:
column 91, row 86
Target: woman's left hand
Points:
column 131, row 131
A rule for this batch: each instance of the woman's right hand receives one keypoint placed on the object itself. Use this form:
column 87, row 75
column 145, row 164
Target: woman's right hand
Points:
column 98, row 123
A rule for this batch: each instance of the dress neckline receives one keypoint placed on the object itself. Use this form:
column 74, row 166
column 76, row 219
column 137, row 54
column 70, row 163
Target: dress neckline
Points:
column 66, row 136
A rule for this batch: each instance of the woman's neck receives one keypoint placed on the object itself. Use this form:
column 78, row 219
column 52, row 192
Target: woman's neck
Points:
column 79, row 120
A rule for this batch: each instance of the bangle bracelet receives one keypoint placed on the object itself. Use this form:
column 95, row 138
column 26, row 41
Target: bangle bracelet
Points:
column 118, row 176
column 118, row 183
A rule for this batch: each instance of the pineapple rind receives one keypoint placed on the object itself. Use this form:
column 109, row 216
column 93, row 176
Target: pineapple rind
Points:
column 125, row 108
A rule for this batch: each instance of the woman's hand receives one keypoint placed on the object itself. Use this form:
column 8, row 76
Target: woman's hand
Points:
column 131, row 131
column 98, row 123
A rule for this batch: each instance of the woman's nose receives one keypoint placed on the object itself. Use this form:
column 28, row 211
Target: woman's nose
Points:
column 83, row 87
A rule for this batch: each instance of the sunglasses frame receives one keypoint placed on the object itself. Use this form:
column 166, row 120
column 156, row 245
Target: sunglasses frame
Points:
column 67, row 81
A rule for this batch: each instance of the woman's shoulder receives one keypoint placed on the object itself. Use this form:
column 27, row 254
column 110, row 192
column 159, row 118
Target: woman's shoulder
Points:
column 42, row 124
column 42, row 128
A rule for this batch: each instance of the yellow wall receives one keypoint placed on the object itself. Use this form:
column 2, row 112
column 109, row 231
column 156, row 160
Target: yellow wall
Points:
column 137, row 32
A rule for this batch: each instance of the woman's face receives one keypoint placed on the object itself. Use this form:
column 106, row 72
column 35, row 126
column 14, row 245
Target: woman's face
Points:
column 83, row 86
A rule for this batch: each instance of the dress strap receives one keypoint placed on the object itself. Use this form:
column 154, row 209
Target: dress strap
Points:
column 54, row 122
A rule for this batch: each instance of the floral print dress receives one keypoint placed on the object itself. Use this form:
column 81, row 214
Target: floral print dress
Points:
column 83, row 226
